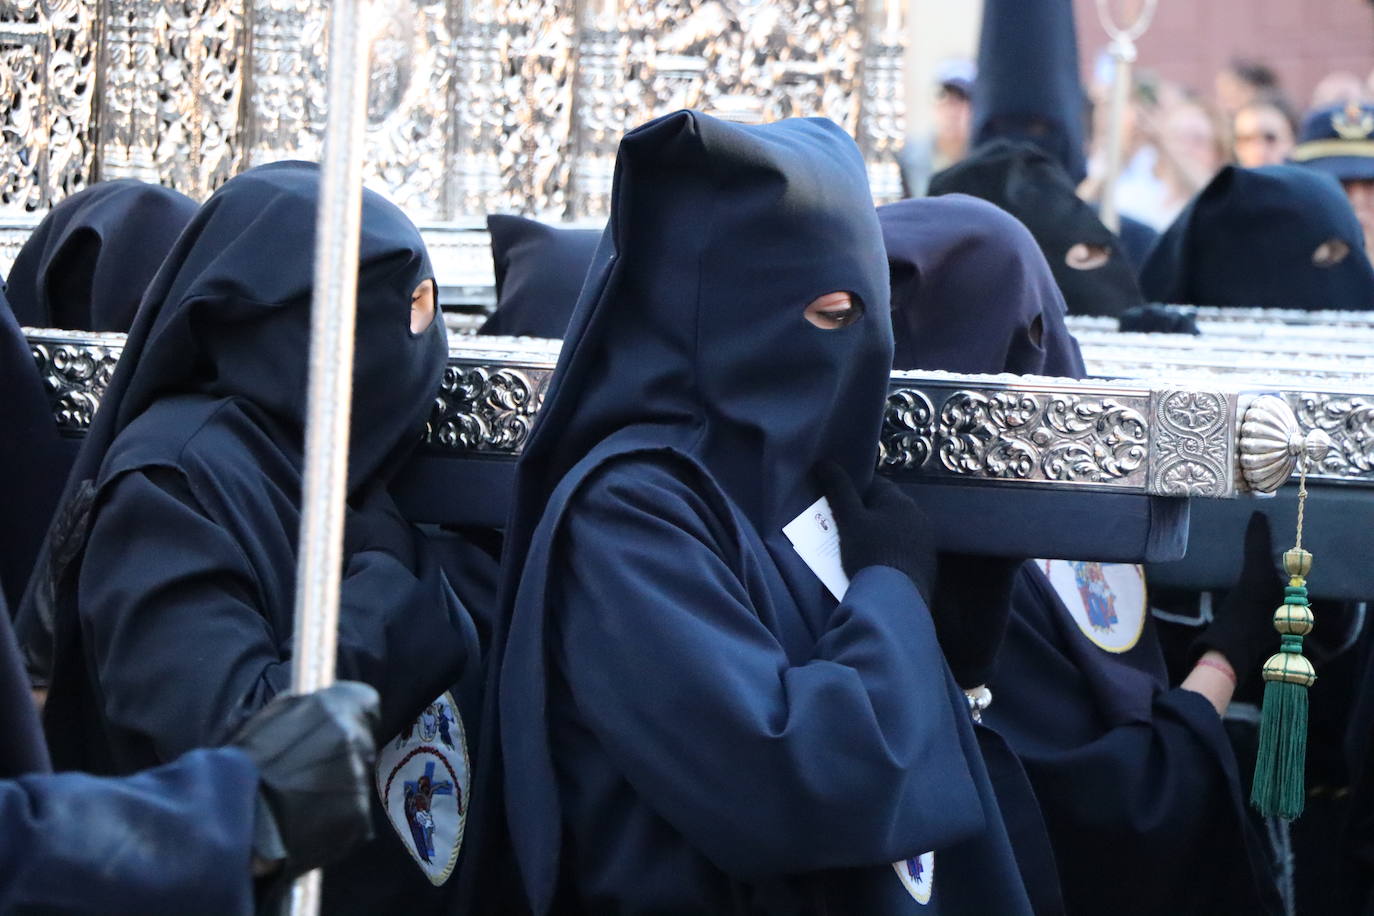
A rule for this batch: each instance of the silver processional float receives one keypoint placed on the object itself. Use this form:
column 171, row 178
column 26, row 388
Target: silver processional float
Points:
column 455, row 108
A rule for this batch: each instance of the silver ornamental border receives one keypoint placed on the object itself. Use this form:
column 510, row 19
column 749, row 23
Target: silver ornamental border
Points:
column 1170, row 437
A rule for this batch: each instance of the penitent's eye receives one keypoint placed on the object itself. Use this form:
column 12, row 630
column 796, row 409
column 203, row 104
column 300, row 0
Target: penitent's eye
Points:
column 1330, row 253
column 1087, row 256
column 834, row 310
column 422, row 308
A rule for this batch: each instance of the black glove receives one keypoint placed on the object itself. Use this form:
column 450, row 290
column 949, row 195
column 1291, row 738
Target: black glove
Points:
column 315, row 755
column 971, row 606
column 883, row 528
column 1242, row 628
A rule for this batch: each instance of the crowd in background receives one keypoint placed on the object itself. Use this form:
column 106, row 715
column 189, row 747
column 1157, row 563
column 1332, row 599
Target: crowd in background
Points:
column 1175, row 137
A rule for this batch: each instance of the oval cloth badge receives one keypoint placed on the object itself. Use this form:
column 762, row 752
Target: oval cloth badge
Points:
column 918, row 876
column 423, row 779
column 1106, row 600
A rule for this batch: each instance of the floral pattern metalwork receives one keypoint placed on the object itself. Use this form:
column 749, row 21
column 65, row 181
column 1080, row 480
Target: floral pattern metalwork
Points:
column 75, row 374
column 1121, row 436
column 1349, row 420
column 48, row 66
column 486, row 408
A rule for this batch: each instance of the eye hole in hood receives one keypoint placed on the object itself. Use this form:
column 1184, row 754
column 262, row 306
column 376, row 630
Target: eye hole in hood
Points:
column 1330, row 253
column 1087, row 256
column 834, row 311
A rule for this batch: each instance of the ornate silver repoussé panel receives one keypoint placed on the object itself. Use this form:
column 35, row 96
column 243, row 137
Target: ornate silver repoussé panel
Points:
column 1163, row 439
column 1067, row 434
column 474, row 106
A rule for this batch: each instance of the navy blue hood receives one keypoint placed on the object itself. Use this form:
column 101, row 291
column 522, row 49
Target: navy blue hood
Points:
column 1027, row 86
column 1281, row 236
column 720, row 236
column 1028, row 183
column 971, row 291
column 88, row 263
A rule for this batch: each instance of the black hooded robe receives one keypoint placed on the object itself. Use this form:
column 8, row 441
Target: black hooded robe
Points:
column 689, row 721
column 174, row 580
column 1137, row 783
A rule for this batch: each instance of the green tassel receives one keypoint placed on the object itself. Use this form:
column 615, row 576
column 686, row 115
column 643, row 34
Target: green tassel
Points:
column 1279, row 787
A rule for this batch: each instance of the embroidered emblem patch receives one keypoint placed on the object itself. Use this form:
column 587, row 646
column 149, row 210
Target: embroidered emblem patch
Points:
column 917, row 876
column 1106, row 600
column 423, row 780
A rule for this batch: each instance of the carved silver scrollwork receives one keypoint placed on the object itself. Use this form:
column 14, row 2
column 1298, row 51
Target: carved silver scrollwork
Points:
column 1349, row 422
column 287, row 105
column 1018, row 435
column 172, row 85
column 1193, row 452
column 474, row 106
column 908, row 431
column 978, row 434
column 76, row 375
column 486, row 409
column 1005, row 429
column 1099, row 440
column 410, row 104
column 882, row 123
column 47, row 80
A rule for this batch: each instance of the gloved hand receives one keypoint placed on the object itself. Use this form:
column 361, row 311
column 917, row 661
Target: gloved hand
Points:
column 1242, row 628
column 315, row 756
column 881, row 528
column 971, row 606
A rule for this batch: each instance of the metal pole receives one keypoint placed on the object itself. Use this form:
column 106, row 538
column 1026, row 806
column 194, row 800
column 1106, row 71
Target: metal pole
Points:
column 332, row 317
column 1123, row 54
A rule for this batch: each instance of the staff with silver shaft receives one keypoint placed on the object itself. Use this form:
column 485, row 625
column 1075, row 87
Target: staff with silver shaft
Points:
column 1123, row 54
column 332, row 320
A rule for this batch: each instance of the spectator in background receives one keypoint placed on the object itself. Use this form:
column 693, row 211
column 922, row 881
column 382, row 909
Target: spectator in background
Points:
column 951, row 117
column 1264, row 131
column 1241, row 82
column 1193, row 148
column 1339, row 140
column 1139, row 190
column 1339, row 88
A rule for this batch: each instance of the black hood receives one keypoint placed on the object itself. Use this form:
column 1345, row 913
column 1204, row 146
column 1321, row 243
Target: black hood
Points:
column 1026, row 182
column 1027, row 86
column 88, row 263
column 1281, row 236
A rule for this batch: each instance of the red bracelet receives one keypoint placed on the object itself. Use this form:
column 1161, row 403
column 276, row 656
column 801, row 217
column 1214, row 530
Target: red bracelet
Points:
column 1223, row 668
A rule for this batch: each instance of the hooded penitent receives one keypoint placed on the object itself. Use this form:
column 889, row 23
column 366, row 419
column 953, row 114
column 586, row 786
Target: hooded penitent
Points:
column 1137, row 783
column 33, row 458
column 68, row 838
column 539, row 271
column 172, row 571
column 89, row 261
column 1280, row 236
column 1089, row 264
column 971, row 293
column 776, row 752
column 1027, row 86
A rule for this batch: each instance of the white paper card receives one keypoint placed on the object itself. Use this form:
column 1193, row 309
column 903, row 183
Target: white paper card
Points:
column 816, row 538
